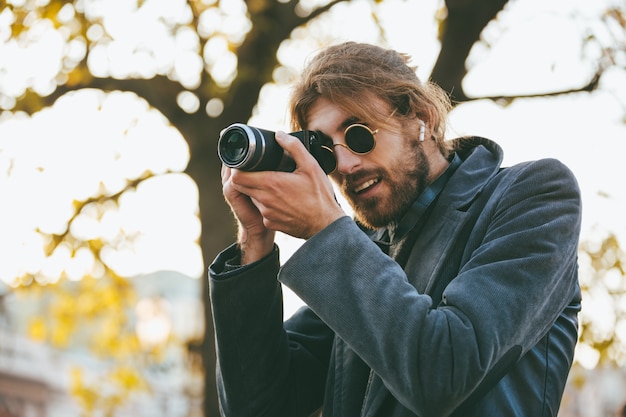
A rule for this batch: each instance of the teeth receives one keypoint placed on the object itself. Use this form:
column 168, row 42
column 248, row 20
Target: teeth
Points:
column 365, row 185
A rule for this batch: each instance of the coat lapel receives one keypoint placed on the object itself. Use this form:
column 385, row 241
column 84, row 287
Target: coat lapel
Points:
column 375, row 396
column 431, row 253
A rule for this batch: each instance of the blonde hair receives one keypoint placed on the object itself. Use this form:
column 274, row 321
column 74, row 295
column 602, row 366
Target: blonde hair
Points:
column 352, row 74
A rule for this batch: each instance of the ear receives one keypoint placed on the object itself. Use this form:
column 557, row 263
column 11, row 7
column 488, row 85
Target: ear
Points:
column 429, row 119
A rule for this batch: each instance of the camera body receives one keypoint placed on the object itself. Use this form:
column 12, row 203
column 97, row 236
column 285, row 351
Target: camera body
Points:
column 249, row 148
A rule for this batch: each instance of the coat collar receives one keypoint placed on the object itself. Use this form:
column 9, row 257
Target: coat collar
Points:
column 482, row 159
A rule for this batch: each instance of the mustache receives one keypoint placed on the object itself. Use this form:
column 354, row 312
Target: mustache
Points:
column 356, row 177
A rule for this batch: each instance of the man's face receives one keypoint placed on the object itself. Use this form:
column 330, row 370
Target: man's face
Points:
column 381, row 185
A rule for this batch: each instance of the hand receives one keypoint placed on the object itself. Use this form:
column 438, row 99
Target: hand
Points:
column 254, row 239
column 298, row 203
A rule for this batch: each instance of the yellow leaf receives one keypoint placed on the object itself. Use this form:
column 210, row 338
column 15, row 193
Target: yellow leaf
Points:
column 61, row 333
column 128, row 379
column 88, row 397
column 37, row 329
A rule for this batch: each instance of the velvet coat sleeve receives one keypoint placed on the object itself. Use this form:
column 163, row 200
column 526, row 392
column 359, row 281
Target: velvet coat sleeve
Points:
column 263, row 369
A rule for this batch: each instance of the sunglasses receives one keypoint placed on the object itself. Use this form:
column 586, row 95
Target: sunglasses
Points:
column 359, row 140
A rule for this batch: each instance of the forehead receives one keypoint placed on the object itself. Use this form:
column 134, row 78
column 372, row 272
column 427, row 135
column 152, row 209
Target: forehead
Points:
column 329, row 116
column 325, row 115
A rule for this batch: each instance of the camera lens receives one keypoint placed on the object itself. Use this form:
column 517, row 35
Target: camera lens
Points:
column 234, row 147
column 252, row 149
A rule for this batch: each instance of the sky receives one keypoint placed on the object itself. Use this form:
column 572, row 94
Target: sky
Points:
column 89, row 141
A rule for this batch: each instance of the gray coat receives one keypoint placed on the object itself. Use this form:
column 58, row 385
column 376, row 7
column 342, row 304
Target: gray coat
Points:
column 482, row 318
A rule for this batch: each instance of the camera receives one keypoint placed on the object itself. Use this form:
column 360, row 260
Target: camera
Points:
column 252, row 149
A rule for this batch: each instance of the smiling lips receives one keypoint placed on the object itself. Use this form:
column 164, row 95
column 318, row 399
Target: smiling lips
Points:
column 364, row 186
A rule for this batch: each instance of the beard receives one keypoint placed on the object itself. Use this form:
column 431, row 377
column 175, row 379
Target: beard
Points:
column 405, row 183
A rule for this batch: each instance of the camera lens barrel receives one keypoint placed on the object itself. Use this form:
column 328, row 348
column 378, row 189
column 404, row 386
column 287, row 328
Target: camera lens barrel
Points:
column 252, row 149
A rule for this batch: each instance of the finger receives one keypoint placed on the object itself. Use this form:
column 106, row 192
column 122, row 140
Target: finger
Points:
column 295, row 148
column 246, row 182
column 225, row 173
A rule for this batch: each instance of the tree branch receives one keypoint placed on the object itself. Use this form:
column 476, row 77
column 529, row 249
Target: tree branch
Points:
column 592, row 85
column 460, row 30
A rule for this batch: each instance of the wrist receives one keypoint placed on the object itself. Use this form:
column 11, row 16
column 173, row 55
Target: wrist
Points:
column 255, row 248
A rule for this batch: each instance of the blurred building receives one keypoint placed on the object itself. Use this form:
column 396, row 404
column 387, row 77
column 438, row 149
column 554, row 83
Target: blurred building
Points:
column 35, row 378
column 600, row 392
column 32, row 379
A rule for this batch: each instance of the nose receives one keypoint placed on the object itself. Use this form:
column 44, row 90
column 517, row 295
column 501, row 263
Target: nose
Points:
column 347, row 161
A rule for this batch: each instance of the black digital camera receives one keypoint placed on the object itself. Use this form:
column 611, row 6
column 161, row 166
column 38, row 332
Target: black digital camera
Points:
column 252, row 149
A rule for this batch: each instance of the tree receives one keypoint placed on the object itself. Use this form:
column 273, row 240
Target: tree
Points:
column 604, row 289
column 201, row 103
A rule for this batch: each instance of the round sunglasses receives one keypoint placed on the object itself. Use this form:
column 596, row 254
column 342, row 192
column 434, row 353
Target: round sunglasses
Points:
column 359, row 140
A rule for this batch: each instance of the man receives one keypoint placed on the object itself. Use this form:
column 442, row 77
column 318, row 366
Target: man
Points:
column 453, row 292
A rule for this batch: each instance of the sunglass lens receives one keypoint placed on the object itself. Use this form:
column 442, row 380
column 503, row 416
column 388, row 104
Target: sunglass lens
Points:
column 326, row 158
column 359, row 139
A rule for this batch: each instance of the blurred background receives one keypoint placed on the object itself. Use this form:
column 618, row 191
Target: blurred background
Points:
column 110, row 195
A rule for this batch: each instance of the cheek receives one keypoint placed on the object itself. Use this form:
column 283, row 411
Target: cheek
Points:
column 335, row 177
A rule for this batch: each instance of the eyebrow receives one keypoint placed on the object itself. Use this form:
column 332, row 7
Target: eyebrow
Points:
column 349, row 121
column 344, row 125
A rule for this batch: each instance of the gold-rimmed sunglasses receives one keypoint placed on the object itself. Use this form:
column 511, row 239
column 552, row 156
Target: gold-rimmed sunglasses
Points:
column 359, row 138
